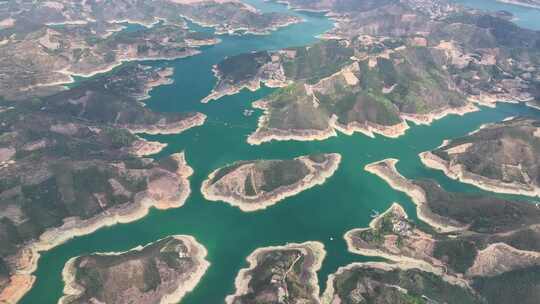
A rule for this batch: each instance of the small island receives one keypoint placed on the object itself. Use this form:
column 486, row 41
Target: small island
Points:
column 258, row 184
column 514, row 149
column 280, row 273
column 160, row 272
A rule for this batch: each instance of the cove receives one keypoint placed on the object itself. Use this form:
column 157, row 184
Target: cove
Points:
column 323, row 213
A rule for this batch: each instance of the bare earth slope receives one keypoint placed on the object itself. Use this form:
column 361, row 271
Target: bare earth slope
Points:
column 513, row 166
column 280, row 273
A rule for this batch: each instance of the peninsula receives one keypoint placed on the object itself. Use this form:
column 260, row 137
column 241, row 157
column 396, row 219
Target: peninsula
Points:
column 496, row 238
column 258, row 184
column 160, row 272
column 393, row 236
column 98, row 194
column 514, row 149
column 280, row 273
column 386, row 169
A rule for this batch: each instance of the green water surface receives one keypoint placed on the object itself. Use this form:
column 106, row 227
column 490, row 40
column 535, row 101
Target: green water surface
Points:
column 323, row 213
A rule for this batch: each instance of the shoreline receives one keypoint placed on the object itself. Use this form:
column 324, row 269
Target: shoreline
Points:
column 491, row 100
column 415, row 193
column 195, row 120
column 71, row 288
column 221, row 30
column 329, row 293
column 18, row 286
column 532, row 105
column 397, row 258
column 250, row 204
column 27, row 257
column 142, row 147
column 370, row 129
column 165, row 78
column 496, row 254
column 242, row 280
column 188, row 53
column 457, row 172
column 299, row 9
column 191, row 50
column 251, row 85
column 263, row 134
column 428, row 119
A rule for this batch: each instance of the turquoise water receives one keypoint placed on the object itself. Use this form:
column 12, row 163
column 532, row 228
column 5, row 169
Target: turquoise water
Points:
column 344, row 202
column 524, row 16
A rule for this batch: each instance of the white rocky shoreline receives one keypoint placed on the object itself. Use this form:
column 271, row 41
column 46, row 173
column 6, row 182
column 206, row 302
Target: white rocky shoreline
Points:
column 458, row 172
column 198, row 251
column 27, row 257
column 243, row 278
column 267, row 199
column 386, row 170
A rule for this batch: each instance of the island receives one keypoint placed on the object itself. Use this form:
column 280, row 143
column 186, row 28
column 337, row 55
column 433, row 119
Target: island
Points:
column 43, row 45
column 384, row 64
column 71, row 164
column 280, row 273
column 160, row 272
column 514, row 149
column 258, row 184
